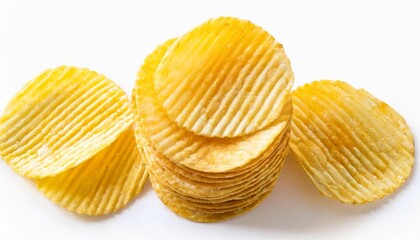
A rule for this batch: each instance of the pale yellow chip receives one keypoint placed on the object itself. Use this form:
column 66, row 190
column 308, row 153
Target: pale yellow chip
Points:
column 354, row 147
column 60, row 119
column 213, row 155
column 225, row 78
column 103, row 184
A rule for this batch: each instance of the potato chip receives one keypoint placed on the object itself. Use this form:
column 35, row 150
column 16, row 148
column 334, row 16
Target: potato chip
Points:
column 103, row 184
column 60, row 119
column 212, row 155
column 354, row 147
column 225, row 78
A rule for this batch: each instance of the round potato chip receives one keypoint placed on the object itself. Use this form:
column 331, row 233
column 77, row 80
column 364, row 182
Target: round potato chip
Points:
column 354, row 147
column 60, row 119
column 225, row 78
column 103, row 184
column 203, row 154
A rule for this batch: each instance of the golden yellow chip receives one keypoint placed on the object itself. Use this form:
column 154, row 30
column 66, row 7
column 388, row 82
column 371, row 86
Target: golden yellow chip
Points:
column 102, row 185
column 60, row 119
column 225, row 78
column 213, row 155
column 354, row 147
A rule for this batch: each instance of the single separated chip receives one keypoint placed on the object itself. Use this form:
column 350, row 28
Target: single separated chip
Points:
column 102, row 185
column 225, row 78
column 60, row 119
column 199, row 153
column 354, row 147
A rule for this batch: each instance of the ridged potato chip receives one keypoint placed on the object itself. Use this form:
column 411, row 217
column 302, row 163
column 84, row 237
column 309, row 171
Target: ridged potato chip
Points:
column 60, row 119
column 354, row 147
column 225, row 78
column 204, row 154
column 103, row 184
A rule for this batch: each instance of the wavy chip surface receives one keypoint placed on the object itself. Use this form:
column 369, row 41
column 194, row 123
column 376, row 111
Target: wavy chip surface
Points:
column 102, row 185
column 199, row 153
column 354, row 147
column 225, row 78
column 60, row 119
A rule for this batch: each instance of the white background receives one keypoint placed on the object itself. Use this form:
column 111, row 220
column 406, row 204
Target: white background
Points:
column 370, row 44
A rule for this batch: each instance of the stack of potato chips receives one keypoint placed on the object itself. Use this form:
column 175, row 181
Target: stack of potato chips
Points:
column 213, row 118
